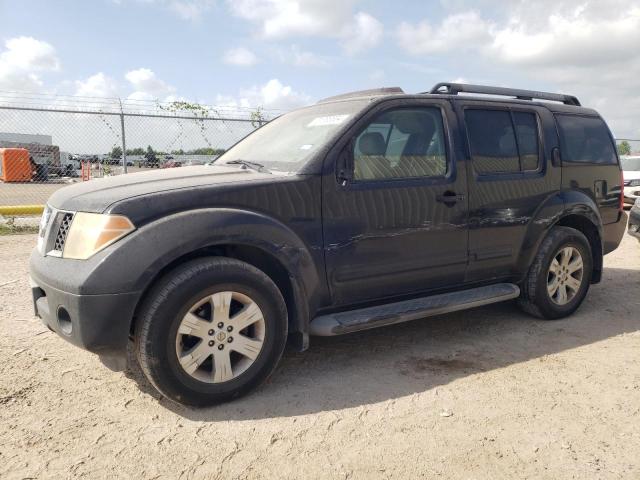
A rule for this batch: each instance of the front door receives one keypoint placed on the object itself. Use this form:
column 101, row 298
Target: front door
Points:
column 398, row 223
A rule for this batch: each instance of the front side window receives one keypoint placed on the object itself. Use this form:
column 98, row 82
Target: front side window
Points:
column 401, row 143
column 502, row 141
column 585, row 140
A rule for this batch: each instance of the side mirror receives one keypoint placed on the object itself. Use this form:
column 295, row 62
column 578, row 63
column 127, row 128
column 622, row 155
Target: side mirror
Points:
column 344, row 164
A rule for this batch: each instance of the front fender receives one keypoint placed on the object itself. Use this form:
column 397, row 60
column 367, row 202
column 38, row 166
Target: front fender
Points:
column 133, row 263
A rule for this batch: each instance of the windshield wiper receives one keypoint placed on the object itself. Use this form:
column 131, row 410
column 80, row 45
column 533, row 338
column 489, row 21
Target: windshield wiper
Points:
column 254, row 165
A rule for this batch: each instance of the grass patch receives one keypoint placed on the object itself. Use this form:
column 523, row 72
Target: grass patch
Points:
column 11, row 228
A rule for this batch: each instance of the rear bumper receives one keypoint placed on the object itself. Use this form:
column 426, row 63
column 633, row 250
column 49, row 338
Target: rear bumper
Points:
column 634, row 222
column 98, row 323
column 613, row 233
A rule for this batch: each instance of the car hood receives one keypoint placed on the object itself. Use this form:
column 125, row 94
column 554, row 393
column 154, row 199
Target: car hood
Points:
column 97, row 195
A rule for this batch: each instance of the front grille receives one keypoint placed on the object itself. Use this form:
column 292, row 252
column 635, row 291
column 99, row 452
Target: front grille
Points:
column 63, row 231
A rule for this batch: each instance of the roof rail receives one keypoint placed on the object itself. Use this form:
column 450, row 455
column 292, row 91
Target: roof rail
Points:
column 455, row 88
column 374, row 92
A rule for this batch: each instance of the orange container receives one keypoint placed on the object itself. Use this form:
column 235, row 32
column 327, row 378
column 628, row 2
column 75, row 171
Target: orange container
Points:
column 15, row 165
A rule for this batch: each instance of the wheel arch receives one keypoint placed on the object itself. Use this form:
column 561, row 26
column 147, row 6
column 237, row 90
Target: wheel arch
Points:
column 262, row 241
column 571, row 209
column 263, row 260
column 586, row 226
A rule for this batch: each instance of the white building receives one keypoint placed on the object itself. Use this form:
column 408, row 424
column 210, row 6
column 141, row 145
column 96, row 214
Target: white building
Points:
column 26, row 138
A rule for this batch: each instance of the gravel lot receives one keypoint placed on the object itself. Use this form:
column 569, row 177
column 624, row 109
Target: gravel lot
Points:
column 488, row 393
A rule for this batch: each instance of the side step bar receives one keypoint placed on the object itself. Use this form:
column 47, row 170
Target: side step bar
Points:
column 371, row 317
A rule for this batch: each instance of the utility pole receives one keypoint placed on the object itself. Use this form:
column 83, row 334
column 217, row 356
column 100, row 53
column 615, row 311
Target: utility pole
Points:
column 124, row 143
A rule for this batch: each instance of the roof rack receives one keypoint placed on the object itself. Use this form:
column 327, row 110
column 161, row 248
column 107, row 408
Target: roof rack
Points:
column 455, row 88
column 374, row 92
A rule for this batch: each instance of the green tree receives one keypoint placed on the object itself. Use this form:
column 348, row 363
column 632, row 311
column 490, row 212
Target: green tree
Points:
column 206, row 151
column 135, row 151
column 258, row 118
column 150, row 155
column 116, row 152
column 624, row 148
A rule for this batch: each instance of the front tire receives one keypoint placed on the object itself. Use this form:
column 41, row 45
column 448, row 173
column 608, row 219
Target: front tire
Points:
column 210, row 331
column 560, row 275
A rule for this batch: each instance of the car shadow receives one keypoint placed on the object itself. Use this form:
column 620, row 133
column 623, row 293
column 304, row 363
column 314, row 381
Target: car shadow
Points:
column 396, row 361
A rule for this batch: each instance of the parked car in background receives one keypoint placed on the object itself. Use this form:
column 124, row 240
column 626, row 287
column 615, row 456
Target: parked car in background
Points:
column 363, row 210
column 171, row 164
column 631, row 172
column 634, row 220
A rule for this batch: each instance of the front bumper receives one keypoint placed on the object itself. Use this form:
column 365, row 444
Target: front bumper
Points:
column 99, row 323
column 634, row 222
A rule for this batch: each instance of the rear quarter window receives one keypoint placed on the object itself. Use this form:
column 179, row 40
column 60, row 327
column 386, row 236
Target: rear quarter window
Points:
column 585, row 140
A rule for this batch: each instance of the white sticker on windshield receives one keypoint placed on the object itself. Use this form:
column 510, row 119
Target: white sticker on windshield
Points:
column 307, row 146
column 330, row 120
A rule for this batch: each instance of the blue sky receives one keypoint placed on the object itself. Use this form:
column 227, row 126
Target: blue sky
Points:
column 283, row 53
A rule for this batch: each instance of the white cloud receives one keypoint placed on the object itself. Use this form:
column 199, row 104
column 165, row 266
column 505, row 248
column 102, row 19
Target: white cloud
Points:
column 458, row 31
column 278, row 19
column 147, row 86
column 98, row 85
column 241, row 57
column 192, row 10
column 294, row 55
column 588, row 49
column 364, row 34
column 23, row 59
column 272, row 95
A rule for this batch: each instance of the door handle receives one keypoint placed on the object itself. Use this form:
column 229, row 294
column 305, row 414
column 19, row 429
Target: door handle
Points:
column 449, row 198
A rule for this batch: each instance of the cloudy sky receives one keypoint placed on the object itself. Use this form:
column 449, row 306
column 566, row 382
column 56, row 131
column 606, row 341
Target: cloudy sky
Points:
column 280, row 54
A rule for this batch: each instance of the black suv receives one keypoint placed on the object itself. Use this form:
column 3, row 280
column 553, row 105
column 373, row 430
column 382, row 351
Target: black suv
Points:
column 364, row 210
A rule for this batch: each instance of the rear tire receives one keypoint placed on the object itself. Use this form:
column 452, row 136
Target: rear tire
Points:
column 210, row 331
column 559, row 278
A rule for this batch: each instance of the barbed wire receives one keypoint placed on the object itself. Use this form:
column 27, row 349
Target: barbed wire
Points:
column 83, row 103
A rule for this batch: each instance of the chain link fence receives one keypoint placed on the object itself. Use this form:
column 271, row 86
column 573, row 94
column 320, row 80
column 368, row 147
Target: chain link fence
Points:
column 47, row 143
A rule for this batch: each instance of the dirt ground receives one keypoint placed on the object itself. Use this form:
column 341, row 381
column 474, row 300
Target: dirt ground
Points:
column 487, row 393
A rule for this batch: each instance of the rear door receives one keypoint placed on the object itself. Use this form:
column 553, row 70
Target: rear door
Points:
column 510, row 178
column 398, row 226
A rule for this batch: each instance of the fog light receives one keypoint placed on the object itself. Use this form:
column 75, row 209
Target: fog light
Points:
column 64, row 321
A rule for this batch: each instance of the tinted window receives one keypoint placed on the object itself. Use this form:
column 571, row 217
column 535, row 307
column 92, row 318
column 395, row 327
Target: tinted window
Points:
column 401, row 143
column 503, row 141
column 585, row 139
column 492, row 140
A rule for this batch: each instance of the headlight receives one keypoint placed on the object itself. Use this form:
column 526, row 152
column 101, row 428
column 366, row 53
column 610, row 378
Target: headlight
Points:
column 42, row 228
column 91, row 232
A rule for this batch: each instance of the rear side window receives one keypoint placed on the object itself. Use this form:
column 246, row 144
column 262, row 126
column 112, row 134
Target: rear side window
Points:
column 502, row 141
column 585, row 140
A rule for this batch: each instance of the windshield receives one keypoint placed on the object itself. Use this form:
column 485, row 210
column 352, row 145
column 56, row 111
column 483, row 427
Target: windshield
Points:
column 288, row 142
column 630, row 164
